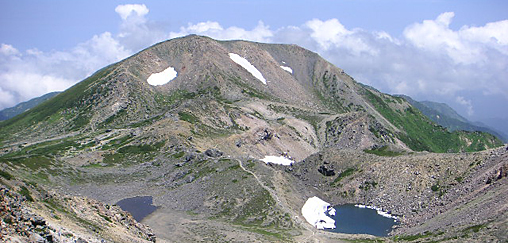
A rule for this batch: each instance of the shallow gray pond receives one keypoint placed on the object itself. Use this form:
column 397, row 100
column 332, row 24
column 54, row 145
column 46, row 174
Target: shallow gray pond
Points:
column 353, row 220
column 139, row 207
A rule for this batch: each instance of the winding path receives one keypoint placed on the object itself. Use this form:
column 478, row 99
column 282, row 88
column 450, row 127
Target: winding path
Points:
column 311, row 234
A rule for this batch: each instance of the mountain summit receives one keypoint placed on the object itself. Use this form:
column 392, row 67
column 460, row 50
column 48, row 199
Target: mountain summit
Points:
column 228, row 140
column 284, row 89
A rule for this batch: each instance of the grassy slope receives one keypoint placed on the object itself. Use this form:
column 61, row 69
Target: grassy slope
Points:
column 50, row 110
column 424, row 135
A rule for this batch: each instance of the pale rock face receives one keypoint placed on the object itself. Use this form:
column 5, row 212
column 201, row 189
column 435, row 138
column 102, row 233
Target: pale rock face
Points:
column 163, row 77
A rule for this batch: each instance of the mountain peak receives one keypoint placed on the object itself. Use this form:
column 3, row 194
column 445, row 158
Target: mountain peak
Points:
column 220, row 84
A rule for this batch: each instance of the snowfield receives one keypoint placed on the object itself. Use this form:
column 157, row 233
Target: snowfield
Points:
column 314, row 211
column 163, row 77
column 249, row 67
column 280, row 160
column 288, row 69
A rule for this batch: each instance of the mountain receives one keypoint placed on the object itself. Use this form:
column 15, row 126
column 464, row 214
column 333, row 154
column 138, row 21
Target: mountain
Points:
column 190, row 123
column 8, row 113
column 445, row 116
column 498, row 122
column 316, row 94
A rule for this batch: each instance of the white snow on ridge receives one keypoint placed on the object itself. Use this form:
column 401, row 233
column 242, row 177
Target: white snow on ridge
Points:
column 288, row 69
column 280, row 160
column 314, row 211
column 163, row 77
column 249, row 67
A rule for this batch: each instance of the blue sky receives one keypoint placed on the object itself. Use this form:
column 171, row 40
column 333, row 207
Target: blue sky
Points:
column 452, row 51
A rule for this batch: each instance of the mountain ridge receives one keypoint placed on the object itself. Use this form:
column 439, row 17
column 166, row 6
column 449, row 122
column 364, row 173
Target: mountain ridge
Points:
column 10, row 112
column 123, row 92
column 445, row 116
column 195, row 145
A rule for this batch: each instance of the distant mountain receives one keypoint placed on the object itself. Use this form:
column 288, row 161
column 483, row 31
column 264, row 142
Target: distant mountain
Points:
column 499, row 123
column 24, row 106
column 446, row 116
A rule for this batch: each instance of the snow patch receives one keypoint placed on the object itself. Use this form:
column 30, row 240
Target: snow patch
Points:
column 163, row 77
column 249, row 67
column 281, row 160
column 378, row 210
column 288, row 69
column 314, row 211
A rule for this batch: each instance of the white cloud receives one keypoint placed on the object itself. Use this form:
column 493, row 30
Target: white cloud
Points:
column 331, row 34
column 467, row 103
column 127, row 10
column 8, row 50
column 465, row 46
column 260, row 33
column 327, row 33
column 32, row 73
column 429, row 60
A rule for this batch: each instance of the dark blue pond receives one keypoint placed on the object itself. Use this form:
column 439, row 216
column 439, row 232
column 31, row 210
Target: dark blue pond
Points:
column 139, row 207
column 353, row 220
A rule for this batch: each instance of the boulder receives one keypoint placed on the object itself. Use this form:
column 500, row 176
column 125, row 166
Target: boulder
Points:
column 326, row 171
column 214, row 153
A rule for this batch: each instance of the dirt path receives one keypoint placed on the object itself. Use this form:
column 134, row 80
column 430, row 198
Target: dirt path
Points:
column 310, row 234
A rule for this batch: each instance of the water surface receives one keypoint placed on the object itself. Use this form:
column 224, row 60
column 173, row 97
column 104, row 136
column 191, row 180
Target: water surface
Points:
column 138, row 207
column 353, row 220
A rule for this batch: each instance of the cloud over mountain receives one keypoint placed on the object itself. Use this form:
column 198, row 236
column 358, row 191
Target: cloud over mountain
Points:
column 428, row 60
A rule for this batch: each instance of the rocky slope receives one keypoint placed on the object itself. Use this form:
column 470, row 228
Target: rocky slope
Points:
column 194, row 145
column 35, row 215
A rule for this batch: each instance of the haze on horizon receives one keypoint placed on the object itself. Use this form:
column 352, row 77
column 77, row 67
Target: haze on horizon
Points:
column 454, row 52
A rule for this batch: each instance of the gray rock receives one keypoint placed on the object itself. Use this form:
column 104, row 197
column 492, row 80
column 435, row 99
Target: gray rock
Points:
column 214, row 153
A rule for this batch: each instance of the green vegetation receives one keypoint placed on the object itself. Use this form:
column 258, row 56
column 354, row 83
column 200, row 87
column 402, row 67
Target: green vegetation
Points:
column 347, row 172
column 262, row 231
column 142, row 148
column 106, row 218
column 111, row 159
column 188, row 117
column 117, row 143
column 328, row 95
column 438, row 188
column 109, row 120
column 51, row 110
column 474, row 228
column 5, row 175
column 26, row 193
column 367, row 185
column 414, row 237
column 421, row 134
column 248, row 89
column 434, row 187
column 382, row 151
column 178, row 154
column 33, row 163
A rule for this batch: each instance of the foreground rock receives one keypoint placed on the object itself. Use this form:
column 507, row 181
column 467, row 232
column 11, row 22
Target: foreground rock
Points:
column 38, row 216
